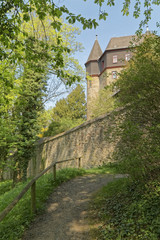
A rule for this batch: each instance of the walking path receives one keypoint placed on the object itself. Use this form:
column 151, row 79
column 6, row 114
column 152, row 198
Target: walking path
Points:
column 65, row 217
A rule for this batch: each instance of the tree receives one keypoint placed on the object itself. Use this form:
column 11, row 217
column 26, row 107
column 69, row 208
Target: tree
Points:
column 28, row 102
column 68, row 112
column 7, row 125
column 105, row 103
column 24, row 88
column 11, row 19
column 59, row 76
column 138, row 147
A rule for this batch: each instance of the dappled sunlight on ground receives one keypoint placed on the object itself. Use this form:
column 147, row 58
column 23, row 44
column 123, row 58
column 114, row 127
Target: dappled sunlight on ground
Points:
column 66, row 213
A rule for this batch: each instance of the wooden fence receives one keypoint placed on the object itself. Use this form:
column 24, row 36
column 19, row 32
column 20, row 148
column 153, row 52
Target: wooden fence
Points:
column 32, row 185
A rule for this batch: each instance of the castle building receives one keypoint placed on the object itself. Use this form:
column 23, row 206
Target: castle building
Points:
column 102, row 68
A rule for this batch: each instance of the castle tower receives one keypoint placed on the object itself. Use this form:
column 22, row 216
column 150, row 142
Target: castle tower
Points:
column 92, row 71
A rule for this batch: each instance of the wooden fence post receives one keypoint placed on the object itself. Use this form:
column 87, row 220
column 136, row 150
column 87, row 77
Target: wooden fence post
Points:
column 33, row 198
column 54, row 170
column 79, row 162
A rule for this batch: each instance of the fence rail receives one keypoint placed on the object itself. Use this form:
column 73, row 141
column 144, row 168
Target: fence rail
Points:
column 32, row 185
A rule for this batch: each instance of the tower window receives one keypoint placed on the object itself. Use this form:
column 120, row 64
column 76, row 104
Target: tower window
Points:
column 102, row 65
column 127, row 57
column 115, row 59
column 114, row 75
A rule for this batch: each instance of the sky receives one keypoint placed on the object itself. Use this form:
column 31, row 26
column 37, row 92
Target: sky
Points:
column 116, row 24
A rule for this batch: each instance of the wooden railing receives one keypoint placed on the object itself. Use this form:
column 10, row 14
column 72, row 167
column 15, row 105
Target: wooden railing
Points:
column 32, row 185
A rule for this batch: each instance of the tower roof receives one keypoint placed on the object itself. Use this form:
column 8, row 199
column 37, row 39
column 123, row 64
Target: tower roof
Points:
column 96, row 52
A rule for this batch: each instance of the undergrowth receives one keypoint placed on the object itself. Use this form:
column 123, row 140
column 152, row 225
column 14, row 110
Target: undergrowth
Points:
column 127, row 210
column 5, row 186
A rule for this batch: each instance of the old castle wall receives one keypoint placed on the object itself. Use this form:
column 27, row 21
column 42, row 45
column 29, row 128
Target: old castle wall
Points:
column 91, row 141
column 92, row 94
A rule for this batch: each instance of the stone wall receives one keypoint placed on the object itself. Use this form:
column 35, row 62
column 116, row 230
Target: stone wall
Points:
column 91, row 141
column 92, row 94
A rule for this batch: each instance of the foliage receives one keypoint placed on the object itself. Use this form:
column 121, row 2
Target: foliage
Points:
column 105, row 102
column 22, row 101
column 13, row 226
column 68, row 112
column 27, row 106
column 5, row 186
column 7, row 98
column 11, row 21
column 138, row 6
column 139, row 132
column 24, row 84
column 61, row 65
column 127, row 210
column 73, row 106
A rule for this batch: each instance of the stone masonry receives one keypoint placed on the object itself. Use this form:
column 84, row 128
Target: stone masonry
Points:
column 91, row 141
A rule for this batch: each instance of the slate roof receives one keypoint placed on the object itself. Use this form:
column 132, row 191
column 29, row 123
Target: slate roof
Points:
column 120, row 42
column 96, row 52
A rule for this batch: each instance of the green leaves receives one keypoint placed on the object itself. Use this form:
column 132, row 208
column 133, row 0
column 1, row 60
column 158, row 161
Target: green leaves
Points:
column 39, row 52
column 103, row 15
column 26, row 17
column 138, row 148
column 156, row 2
column 127, row 210
column 104, row 103
column 87, row 23
column 68, row 112
column 111, row 3
column 56, row 25
column 10, row 20
column 137, row 9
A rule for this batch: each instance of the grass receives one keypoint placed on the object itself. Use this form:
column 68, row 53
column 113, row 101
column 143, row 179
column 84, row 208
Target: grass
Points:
column 5, row 187
column 14, row 224
column 110, row 168
column 126, row 210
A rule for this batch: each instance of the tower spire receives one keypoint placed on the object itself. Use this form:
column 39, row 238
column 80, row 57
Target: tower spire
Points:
column 147, row 30
column 96, row 51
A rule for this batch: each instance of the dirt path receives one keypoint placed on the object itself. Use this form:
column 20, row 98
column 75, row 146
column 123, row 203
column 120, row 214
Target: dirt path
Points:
column 65, row 217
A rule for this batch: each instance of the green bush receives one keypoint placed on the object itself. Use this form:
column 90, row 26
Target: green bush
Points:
column 138, row 148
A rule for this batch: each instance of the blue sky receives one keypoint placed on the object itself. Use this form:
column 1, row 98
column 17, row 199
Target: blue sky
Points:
column 116, row 24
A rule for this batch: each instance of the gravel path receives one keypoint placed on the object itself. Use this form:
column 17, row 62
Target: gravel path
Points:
column 65, row 217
